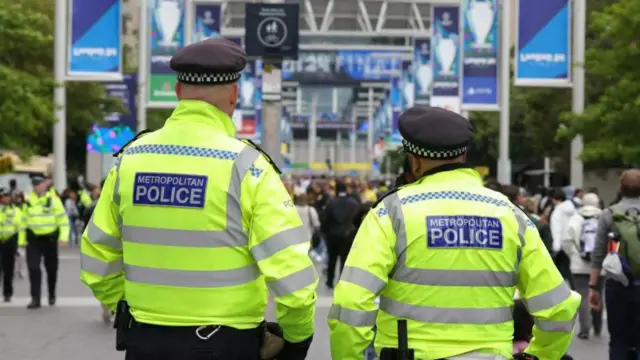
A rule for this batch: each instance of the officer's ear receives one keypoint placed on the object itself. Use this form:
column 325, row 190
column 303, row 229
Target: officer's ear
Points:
column 414, row 165
column 178, row 89
column 235, row 93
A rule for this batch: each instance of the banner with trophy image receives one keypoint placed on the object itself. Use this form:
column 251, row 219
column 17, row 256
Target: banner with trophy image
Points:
column 445, row 47
column 166, row 38
column 248, row 113
column 207, row 21
column 94, row 38
column 543, row 51
column 396, row 99
column 480, row 59
column 422, row 71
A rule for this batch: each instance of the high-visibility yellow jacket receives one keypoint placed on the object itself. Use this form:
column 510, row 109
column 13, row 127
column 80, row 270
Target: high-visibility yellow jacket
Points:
column 85, row 197
column 44, row 215
column 11, row 223
column 192, row 228
column 447, row 254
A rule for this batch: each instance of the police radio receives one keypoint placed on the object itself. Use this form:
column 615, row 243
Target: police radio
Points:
column 402, row 352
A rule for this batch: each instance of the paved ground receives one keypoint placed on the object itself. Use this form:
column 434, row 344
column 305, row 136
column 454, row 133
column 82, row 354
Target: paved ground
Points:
column 73, row 330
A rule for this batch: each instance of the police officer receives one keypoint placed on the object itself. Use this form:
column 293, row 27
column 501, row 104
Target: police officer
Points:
column 193, row 226
column 446, row 254
column 46, row 224
column 11, row 230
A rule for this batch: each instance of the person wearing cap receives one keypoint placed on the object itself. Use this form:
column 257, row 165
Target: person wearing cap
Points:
column 447, row 254
column 193, row 227
column 11, row 231
column 47, row 225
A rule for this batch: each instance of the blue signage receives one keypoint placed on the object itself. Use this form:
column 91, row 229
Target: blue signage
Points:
column 95, row 44
column 207, row 21
column 445, row 50
column 343, row 66
column 422, row 71
column 397, row 106
column 543, row 50
column 480, row 60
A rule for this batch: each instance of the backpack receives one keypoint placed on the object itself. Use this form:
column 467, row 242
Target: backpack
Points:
column 588, row 237
column 627, row 225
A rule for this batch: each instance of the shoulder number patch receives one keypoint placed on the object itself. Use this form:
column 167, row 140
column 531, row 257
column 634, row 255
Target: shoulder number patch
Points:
column 464, row 232
column 178, row 190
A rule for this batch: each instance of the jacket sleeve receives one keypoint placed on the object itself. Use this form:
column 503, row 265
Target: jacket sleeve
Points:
column 547, row 297
column 62, row 220
column 101, row 266
column 279, row 245
column 19, row 221
column 571, row 242
column 354, row 312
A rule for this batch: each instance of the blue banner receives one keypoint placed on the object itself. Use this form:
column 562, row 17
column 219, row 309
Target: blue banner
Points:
column 446, row 54
column 397, row 103
column 94, row 38
column 422, row 71
column 206, row 22
column 480, row 47
column 248, row 113
column 543, row 51
column 119, row 128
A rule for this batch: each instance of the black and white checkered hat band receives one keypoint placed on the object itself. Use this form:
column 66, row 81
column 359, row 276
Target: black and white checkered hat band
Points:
column 433, row 154
column 196, row 78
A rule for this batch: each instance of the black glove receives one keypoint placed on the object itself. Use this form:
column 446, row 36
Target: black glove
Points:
column 524, row 356
column 295, row 351
column 272, row 341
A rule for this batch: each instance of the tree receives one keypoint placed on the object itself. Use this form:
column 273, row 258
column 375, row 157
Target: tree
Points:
column 610, row 121
column 26, row 85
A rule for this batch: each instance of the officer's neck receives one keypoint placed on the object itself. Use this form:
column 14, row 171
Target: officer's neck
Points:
column 433, row 167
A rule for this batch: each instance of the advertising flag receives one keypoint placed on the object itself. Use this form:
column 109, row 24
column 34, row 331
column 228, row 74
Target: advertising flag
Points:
column 543, row 51
column 480, row 59
column 166, row 37
column 119, row 128
column 445, row 48
column 94, row 38
column 248, row 113
column 207, row 21
column 422, row 71
column 397, row 101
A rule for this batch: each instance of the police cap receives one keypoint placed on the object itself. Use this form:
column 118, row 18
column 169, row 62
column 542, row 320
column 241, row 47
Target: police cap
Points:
column 213, row 61
column 37, row 179
column 435, row 133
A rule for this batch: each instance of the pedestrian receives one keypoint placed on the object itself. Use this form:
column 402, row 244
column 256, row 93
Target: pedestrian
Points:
column 11, row 231
column 47, row 226
column 561, row 213
column 622, row 302
column 445, row 254
column 193, row 226
column 310, row 220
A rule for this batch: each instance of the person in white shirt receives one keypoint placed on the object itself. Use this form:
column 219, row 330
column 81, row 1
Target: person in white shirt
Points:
column 578, row 243
column 563, row 210
column 310, row 220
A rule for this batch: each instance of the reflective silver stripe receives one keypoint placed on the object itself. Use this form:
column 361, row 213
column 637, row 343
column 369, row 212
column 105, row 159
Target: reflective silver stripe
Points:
column 293, row 282
column 61, row 215
column 176, row 237
column 190, row 278
column 556, row 326
column 97, row 236
column 99, row 267
column 548, row 299
column 435, row 277
column 363, row 278
column 279, row 242
column 116, row 192
column 355, row 318
column 241, row 166
column 394, row 207
column 428, row 314
column 522, row 229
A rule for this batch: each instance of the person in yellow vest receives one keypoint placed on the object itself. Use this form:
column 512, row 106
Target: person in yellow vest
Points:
column 194, row 227
column 11, row 231
column 46, row 225
column 446, row 254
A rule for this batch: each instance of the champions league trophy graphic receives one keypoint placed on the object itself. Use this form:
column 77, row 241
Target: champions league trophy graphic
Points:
column 167, row 16
column 480, row 16
column 424, row 75
column 246, row 92
column 446, row 50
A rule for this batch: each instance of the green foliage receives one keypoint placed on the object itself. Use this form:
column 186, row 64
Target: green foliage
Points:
column 26, row 86
column 610, row 121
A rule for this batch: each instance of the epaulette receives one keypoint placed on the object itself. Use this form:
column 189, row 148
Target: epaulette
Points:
column 390, row 192
column 266, row 156
column 125, row 146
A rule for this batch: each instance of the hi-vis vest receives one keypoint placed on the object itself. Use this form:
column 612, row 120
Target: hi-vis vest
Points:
column 10, row 222
column 198, row 226
column 447, row 254
column 45, row 214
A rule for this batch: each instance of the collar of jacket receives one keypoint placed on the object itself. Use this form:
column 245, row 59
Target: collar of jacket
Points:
column 454, row 173
column 204, row 114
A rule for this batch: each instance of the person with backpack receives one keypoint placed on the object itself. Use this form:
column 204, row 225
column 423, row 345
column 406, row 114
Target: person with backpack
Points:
column 620, row 222
column 578, row 244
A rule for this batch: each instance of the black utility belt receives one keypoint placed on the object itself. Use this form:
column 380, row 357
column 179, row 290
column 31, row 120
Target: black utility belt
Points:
column 203, row 332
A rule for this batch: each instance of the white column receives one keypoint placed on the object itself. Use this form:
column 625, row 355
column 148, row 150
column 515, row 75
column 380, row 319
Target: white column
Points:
column 143, row 65
column 504, row 162
column 577, row 103
column 60, row 96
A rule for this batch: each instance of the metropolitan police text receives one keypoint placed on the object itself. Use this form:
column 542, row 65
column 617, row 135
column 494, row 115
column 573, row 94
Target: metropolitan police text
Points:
column 464, row 232
column 169, row 189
